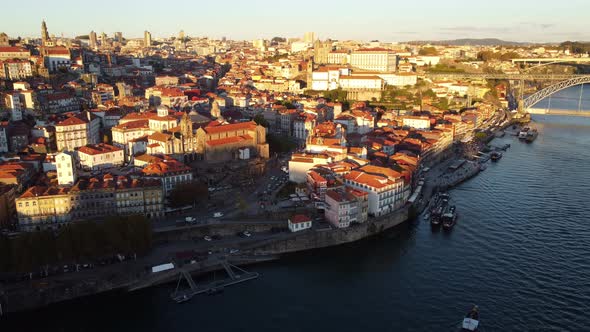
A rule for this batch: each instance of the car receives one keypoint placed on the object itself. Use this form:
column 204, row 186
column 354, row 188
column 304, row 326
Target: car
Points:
column 207, row 238
column 217, row 214
column 190, row 219
column 233, row 251
column 247, row 234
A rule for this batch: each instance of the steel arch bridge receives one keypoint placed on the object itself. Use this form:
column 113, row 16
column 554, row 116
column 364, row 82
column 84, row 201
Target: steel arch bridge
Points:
column 536, row 97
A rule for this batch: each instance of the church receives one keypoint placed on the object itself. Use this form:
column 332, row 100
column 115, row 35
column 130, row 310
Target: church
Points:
column 187, row 140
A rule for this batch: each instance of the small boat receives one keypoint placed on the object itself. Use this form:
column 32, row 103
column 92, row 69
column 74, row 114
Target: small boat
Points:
column 449, row 218
column 523, row 133
column 531, row 135
column 215, row 290
column 471, row 320
column 495, row 156
column 439, row 207
column 182, row 298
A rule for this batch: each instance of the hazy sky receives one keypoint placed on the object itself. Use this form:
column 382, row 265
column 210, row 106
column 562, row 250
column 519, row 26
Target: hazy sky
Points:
column 386, row 20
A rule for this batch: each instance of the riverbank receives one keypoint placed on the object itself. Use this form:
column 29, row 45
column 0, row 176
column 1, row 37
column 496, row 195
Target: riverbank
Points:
column 134, row 276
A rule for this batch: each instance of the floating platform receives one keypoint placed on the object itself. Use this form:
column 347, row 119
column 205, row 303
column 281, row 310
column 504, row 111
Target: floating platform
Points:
column 180, row 296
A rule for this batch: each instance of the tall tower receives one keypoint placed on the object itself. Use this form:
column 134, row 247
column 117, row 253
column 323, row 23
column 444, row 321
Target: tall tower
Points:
column 147, row 39
column 181, row 35
column 93, row 42
column 44, row 34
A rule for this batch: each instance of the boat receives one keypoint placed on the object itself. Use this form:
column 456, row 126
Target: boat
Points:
column 441, row 202
column 215, row 290
column 495, row 156
column 449, row 218
column 523, row 133
column 471, row 320
column 182, row 298
column 531, row 135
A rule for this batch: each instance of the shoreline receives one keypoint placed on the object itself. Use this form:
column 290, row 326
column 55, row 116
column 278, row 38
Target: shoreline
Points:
column 266, row 251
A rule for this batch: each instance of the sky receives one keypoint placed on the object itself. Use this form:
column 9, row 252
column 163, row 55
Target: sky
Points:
column 384, row 20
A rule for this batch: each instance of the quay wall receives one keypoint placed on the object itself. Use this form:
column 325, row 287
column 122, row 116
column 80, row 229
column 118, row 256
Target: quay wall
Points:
column 327, row 238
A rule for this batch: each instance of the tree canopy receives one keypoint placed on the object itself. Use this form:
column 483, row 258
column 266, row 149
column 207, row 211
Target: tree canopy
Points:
column 427, row 51
column 192, row 193
column 76, row 242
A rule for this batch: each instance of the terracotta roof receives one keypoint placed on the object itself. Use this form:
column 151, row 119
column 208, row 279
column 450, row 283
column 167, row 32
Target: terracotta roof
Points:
column 251, row 125
column 94, row 149
column 229, row 140
column 160, row 137
column 300, row 218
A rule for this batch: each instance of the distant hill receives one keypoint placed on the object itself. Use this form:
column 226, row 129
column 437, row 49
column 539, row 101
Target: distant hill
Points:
column 472, row 42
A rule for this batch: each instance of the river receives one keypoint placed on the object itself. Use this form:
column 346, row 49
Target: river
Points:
column 520, row 250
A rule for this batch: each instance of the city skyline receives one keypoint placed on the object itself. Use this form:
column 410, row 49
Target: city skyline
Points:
column 525, row 21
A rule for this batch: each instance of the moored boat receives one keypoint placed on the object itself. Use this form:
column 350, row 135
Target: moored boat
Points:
column 471, row 320
column 495, row 156
column 531, row 135
column 449, row 218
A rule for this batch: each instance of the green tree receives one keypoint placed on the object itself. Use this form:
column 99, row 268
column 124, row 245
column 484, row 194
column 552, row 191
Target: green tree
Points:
column 192, row 193
column 426, row 51
column 260, row 120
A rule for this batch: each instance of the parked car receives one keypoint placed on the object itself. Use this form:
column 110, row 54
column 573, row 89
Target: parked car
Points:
column 247, row 234
column 207, row 238
column 217, row 214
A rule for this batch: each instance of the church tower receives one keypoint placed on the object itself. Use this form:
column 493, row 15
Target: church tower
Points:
column 44, row 34
column 216, row 111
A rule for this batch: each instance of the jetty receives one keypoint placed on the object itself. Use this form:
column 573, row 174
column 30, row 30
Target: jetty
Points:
column 235, row 275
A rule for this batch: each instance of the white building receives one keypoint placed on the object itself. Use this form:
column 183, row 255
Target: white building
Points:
column 299, row 223
column 3, row 140
column 345, row 206
column 300, row 163
column 374, row 59
column 56, row 58
column 399, row 79
column 385, row 194
column 77, row 131
column 95, row 156
column 416, row 122
column 368, row 82
column 66, row 168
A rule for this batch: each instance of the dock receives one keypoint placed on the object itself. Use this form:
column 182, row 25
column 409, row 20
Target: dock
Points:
column 215, row 286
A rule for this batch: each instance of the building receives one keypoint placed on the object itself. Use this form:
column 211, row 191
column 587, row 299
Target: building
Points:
column 7, row 206
column 92, row 42
column 222, row 142
column 65, row 164
column 56, row 58
column 338, row 57
column 14, row 52
column 170, row 172
column 417, row 122
column 96, row 156
column 309, row 37
column 299, row 222
column 346, row 206
column 147, row 39
column 4, row 40
column 77, row 130
column 4, row 146
column 374, row 59
column 301, row 163
column 386, row 191
column 160, row 95
column 15, row 69
column 95, row 198
column 367, row 82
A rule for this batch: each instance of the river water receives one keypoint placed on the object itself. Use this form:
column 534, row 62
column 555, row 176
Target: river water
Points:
column 520, row 250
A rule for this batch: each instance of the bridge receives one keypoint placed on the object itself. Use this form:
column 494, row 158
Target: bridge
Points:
column 550, row 60
column 564, row 81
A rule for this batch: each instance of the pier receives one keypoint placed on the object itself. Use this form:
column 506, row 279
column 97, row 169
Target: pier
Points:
column 215, row 286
